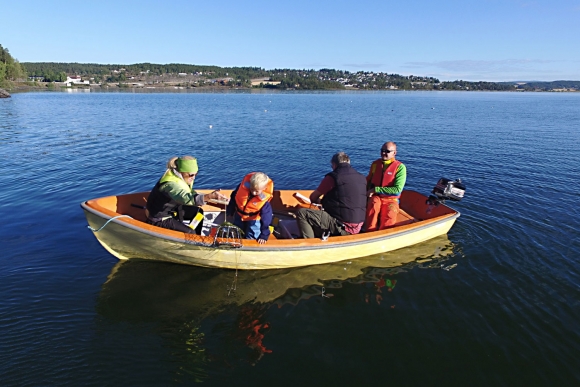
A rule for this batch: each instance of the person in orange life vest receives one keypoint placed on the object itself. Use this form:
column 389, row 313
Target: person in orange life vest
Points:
column 173, row 199
column 250, row 206
column 344, row 202
column 385, row 183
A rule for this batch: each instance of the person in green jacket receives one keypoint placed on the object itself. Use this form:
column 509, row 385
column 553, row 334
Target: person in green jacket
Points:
column 173, row 200
column 385, row 183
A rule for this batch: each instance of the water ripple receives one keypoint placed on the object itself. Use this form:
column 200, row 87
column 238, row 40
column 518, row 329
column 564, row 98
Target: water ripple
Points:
column 511, row 301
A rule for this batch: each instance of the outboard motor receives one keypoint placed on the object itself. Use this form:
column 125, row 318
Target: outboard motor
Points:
column 446, row 189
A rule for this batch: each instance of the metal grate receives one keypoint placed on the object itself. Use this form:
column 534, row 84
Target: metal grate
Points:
column 226, row 235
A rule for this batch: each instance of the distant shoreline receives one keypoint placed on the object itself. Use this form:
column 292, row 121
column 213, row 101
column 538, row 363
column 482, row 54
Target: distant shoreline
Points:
column 149, row 75
column 45, row 86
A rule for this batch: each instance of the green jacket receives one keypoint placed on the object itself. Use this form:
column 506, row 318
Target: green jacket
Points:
column 169, row 195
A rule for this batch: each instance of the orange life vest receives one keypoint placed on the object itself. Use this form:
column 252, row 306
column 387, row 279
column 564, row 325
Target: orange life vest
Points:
column 248, row 206
column 379, row 178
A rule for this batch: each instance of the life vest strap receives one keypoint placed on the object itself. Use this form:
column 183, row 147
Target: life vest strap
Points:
column 246, row 213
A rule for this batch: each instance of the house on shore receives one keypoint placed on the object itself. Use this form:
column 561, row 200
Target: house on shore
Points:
column 264, row 81
column 75, row 80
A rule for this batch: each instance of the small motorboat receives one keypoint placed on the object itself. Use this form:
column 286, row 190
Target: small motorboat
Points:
column 118, row 223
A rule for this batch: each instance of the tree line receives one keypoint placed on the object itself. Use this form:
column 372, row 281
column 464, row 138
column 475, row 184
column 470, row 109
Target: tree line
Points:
column 546, row 86
column 40, row 69
column 10, row 68
column 323, row 79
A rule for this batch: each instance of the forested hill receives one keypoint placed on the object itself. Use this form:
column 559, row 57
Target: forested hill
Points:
column 322, row 79
column 10, row 69
column 187, row 75
column 554, row 85
column 90, row 69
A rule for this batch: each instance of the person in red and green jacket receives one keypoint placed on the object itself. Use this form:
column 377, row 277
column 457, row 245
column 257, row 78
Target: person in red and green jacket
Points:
column 385, row 182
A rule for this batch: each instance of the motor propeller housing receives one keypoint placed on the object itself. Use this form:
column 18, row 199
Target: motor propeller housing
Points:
column 447, row 189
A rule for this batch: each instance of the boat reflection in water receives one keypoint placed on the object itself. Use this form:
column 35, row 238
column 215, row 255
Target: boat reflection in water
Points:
column 144, row 291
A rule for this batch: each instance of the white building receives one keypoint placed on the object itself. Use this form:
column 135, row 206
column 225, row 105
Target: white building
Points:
column 76, row 80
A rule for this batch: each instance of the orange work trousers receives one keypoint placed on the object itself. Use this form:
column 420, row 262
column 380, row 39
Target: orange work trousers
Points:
column 381, row 212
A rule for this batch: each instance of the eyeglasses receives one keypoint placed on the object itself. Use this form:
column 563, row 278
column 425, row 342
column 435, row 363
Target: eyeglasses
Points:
column 387, row 151
column 188, row 175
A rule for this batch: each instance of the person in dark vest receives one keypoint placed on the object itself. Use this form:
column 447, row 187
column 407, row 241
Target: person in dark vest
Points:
column 385, row 182
column 173, row 199
column 344, row 202
column 250, row 206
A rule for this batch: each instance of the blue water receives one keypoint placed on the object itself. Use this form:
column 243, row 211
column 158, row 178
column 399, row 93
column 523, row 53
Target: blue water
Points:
column 507, row 314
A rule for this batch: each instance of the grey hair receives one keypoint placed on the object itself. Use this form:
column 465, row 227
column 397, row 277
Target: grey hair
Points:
column 340, row 157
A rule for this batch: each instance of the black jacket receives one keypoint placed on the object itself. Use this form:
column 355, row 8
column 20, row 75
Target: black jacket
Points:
column 347, row 201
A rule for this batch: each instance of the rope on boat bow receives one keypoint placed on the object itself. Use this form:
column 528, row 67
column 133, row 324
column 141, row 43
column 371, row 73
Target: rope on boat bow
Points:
column 103, row 226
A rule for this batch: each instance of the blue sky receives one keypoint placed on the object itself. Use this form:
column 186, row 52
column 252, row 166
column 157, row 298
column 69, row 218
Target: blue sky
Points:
column 489, row 40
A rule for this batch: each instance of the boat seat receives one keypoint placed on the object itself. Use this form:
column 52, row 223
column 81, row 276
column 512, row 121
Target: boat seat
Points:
column 404, row 218
column 286, row 227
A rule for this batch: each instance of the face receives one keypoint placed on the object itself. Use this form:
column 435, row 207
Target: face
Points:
column 189, row 177
column 255, row 191
column 388, row 152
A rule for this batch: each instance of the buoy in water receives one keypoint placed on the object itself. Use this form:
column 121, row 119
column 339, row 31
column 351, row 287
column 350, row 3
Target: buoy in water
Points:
column 211, row 126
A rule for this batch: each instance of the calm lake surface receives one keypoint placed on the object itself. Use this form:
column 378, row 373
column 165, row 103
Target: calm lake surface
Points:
column 507, row 314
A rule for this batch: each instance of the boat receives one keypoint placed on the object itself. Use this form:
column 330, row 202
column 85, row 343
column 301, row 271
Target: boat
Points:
column 118, row 223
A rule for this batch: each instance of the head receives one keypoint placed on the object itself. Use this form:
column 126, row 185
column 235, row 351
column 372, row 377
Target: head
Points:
column 388, row 151
column 339, row 158
column 258, row 183
column 186, row 166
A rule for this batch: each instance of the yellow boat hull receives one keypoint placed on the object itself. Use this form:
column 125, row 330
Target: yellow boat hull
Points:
column 130, row 237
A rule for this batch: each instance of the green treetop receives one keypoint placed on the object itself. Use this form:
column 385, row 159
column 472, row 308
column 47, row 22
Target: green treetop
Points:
column 10, row 68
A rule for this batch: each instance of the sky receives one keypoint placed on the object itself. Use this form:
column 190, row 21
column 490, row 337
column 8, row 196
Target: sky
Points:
column 479, row 40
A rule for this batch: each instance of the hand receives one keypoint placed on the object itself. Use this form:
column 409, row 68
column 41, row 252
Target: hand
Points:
column 262, row 241
column 216, row 195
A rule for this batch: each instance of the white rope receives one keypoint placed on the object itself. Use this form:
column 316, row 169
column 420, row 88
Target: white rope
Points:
column 103, row 226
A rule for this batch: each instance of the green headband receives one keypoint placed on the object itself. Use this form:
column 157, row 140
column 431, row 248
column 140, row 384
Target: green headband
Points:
column 189, row 166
